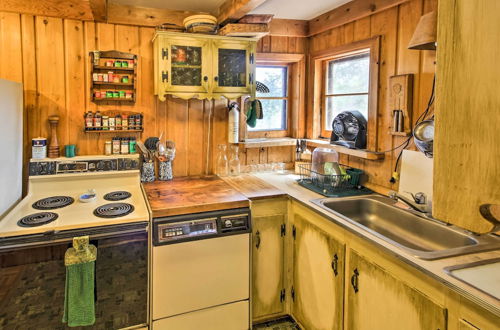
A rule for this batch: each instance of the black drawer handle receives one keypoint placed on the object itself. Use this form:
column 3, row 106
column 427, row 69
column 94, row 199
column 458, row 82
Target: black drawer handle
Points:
column 355, row 280
column 257, row 240
column 335, row 265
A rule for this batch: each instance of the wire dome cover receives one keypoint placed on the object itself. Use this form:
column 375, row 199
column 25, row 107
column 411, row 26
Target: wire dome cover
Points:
column 348, row 124
column 261, row 88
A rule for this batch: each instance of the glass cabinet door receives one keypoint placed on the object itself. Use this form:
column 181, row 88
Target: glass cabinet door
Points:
column 188, row 63
column 234, row 65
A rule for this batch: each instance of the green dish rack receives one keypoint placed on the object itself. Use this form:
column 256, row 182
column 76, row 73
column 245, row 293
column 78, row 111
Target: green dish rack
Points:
column 328, row 185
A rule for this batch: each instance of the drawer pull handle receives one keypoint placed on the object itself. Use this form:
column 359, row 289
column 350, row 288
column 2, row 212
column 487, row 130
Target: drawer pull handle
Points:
column 257, row 240
column 354, row 280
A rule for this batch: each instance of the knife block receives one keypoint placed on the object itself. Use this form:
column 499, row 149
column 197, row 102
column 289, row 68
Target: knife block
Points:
column 54, row 151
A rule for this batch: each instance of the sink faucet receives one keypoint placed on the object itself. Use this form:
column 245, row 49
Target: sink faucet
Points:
column 418, row 204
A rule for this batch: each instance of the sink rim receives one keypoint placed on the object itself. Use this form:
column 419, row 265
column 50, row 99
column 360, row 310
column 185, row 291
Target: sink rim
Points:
column 483, row 243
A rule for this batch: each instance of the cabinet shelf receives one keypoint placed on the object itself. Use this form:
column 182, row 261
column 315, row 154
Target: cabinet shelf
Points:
column 115, row 131
column 105, row 83
column 360, row 153
column 113, row 68
column 106, row 99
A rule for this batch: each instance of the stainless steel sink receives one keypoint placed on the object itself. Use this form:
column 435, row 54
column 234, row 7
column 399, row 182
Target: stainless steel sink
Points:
column 423, row 237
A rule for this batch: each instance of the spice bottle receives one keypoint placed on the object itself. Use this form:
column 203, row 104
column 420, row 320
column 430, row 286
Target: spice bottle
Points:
column 138, row 122
column 97, row 121
column 131, row 122
column 131, row 145
column 108, row 148
column 112, row 122
column 89, row 121
column 124, row 122
column 105, row 122
column 124, row 146
column 116, row 146
column 118, row 122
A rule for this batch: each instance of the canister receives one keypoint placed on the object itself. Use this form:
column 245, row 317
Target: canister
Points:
column 39, row 148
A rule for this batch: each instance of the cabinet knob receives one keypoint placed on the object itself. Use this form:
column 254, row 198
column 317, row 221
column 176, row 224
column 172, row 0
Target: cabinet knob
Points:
column 216, row 78
column 205, row 78
column 354, row 280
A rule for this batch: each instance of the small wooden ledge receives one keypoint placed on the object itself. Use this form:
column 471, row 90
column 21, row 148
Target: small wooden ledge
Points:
column 360, row 153
column 268, row 142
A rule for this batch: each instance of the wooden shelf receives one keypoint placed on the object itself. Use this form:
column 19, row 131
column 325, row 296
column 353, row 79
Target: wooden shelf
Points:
column 266, row 143
column 360, row 153
column 107, row 83
column 186, row 66
column 115, row 131
column 400, row 133
column 106, row 99
column 113, row 68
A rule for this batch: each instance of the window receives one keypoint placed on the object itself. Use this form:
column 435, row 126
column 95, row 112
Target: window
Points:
column 346, row 87
column 274, row 103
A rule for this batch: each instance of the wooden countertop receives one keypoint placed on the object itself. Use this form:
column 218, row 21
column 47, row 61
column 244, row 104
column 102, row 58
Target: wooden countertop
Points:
column 253, row 188
column 192, row 195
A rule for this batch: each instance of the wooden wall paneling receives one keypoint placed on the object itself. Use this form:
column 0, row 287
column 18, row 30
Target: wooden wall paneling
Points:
column 266, row 44
column 362, row 28
column 10, row 47
column 146, row 101
column 50, row 75
column 219, row 116
column 347, row 34
column 196, row 148
column 74, row 57
column 288, row 27
column 90, row 145
column 74, row 9
column 263, row 155
column 177, row 128
column 279, row 44
column 253, row 156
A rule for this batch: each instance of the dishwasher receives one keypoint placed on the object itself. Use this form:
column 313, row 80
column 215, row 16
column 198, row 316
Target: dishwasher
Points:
column 201, row 271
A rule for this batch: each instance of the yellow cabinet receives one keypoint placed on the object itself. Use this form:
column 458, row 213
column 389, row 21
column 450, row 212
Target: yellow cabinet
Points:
column 268, row 290
column 375, row 300
column 318, row 277
column 203, row 66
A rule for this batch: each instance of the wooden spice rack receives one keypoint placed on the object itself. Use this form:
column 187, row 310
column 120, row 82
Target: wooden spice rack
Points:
column 113, row 113
column 103, row 86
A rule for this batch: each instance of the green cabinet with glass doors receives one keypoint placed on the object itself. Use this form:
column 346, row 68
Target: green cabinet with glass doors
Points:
column 203, row 66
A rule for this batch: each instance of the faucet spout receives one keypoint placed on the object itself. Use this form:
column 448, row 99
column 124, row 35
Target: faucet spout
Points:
column 418, row 205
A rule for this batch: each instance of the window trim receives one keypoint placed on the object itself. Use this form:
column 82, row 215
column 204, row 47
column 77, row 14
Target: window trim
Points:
column 275, row 132
column 296, row 95
column 316, row 87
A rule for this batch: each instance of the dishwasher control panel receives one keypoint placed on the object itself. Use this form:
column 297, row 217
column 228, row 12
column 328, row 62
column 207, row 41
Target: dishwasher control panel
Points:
column 198, row 226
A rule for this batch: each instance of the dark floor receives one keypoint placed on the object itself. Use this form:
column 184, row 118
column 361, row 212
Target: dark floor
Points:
column 285, row 323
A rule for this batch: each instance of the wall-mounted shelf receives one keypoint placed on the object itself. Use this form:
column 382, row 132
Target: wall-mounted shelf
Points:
column 116, row 131
column 360, row 153
column 101, row 72
column 269, row 142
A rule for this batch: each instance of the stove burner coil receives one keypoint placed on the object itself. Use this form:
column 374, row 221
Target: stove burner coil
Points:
column 117, row 195
column 113, row 210
column 37, row 219
column 54, row 202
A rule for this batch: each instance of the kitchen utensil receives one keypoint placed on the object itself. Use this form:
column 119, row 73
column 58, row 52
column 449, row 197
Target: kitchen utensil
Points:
column 151, row 143
column 145, row 152
column 148, row 172
column 423, row 136
column 54, row 144
column 170, row 144
column 70, row 150
column 349, row 130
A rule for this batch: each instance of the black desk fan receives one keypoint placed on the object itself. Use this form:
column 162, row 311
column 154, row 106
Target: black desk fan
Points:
column 349, row 130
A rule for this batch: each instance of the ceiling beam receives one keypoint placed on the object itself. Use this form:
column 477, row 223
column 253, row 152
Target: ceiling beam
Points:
column 349, row 12
column 73, row 9
column 142, row 16
column 99, row 10
column 289, row 27
column 233, row 10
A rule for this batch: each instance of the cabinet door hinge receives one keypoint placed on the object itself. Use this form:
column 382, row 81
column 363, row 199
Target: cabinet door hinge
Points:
column 294, row 232
column 282, row 295
column 283, row 229
column 164, row 76
column 164, row 53
column 251, row 58
column 292, row 293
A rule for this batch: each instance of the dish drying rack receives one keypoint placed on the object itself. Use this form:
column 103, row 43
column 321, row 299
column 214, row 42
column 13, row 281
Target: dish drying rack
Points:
column 330, row 185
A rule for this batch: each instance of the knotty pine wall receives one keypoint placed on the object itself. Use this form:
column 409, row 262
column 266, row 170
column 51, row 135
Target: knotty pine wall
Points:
column 396, row 26
column 50, row 56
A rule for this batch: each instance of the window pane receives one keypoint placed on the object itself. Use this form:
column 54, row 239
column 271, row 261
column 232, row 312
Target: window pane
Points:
column 337, row 104
column 274, row 116
column 274, row 78
column 349, row 75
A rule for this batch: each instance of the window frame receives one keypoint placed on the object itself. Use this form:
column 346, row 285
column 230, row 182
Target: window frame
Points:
column 296, row 89
column 275, row 132
column 317, row 88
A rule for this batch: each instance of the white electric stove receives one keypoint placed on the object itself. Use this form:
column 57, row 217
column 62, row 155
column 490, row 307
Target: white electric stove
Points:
column 55, row 186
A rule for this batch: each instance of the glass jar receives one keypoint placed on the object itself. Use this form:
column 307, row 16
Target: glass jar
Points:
column 234, row 161
column 222, row 167
column 322, row 160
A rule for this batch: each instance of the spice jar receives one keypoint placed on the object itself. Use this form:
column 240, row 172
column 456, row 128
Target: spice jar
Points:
column 111, row 122
column 122, row 94
column 128, row 95
column 125, row 79
column 124, row 64
column 89, row 121
column 95, row 77
column 108, row 148
column 97, row 94
column 118, row 122
column 105, row 122
column 131, row 122
column 116, row 78
column 100, row 77
column 110, row 76
column 109, row 93
column 105, row 77
column 138, row 121
column 97, row 121
column 131, row 145
column 124, row 122
column 116, row 146
column 130, row 63
column 109, row 63
column 124, row 146
column 116, row 94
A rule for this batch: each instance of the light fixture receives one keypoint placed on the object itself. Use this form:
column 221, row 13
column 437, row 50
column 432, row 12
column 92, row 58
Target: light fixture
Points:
column 424, row 37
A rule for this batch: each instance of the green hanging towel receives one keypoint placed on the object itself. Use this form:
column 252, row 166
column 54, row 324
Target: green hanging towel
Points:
column 79, row 308
column 251, row 114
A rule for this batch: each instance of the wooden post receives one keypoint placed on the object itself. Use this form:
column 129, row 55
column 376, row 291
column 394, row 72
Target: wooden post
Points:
column 54, row 144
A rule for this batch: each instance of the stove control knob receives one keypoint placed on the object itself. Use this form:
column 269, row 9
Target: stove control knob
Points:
column 228, row 224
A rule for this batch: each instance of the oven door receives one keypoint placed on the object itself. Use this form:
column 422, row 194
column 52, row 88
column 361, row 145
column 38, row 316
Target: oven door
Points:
column 32, row 279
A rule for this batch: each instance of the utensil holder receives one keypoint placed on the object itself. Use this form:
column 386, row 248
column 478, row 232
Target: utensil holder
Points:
column 165, row 170
column 148, row 172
